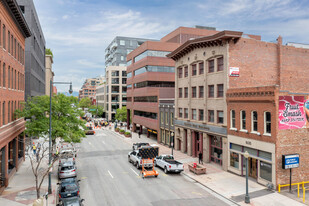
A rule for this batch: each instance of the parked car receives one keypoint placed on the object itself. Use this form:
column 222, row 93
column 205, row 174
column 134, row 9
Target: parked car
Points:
column 168, row 164
column 70, row 180
column 66, row 170
column 67, row 156
column 68, row 189
column 136, row 159
column 72, row 201
column 89, row 131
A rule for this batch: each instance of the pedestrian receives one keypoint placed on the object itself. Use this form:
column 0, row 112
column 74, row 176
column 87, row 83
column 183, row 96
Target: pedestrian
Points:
column 139, row 134
column 200, row 158
column 34, row 148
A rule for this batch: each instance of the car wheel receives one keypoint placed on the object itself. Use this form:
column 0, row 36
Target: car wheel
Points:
column 137, row 166
column 165, row 170
column 143, row 176
column 156, row 176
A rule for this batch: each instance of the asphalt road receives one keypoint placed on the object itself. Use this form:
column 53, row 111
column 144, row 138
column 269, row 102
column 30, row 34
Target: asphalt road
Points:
column 107, row 178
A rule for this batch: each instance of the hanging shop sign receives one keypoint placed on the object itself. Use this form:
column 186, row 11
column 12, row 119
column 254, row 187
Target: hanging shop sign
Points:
column 234, row 72
column 293, row 112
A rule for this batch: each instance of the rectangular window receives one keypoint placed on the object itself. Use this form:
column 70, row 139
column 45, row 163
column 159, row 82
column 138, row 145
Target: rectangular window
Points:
column 243, row 120
column 220, row 91
column 186, row 71
column 211, row 66
column 179, row 72
column 211, row 91
column 186, row 92
column 193, row 92
column 220, row 64
column 179, row 92
column 254, row 121
column 194, row 114
column 234, row 160
column 233, row 119
column 9, row 42
column 267, row 122
column 201, row 68
column 193, row 69
column 266, row 171
column 201, row 114
column 166, row 118
column 162, row 118
column 180, row 112
column 4, row 36
column 122, row 42
column 211, row 116
column 172, row 119
column 186, row 113
column 201, row 92
column 9, row 77
column 220, row 117
column 3, row 113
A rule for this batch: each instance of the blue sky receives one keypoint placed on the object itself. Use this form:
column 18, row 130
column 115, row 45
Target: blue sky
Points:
column 78, row 31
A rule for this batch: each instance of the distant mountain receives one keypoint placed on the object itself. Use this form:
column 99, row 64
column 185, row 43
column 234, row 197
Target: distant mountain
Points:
column 75, row 94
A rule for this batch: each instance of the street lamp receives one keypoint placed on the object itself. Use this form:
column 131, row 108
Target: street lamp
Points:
column 50, row 126
column 247, row 198
column 172, row 143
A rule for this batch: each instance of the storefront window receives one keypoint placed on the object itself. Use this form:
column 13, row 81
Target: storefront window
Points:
column 234, row 160
column 265, row 171
column 216, row 149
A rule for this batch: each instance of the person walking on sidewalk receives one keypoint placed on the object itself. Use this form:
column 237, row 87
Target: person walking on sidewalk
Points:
column 34, row 148
column 139, row 134
column 200, row 158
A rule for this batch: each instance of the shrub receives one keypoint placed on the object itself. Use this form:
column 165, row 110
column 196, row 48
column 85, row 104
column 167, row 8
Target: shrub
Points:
column 122, row 130
column 127, row 133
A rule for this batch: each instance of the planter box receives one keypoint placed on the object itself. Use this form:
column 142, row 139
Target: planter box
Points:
column 121, row 132
column 127, row 135
column 198, row 170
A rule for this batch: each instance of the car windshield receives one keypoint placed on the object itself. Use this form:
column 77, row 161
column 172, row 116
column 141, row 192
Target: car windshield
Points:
column 69, row 188
column 169, row 157
column 67, row 168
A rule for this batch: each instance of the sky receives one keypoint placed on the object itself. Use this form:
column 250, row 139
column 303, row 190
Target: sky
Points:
column 78, row 31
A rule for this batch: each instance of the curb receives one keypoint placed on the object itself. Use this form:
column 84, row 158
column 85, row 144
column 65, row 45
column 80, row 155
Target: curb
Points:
column 230, row 200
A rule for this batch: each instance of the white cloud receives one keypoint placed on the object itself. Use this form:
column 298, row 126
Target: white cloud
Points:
column 64, row 17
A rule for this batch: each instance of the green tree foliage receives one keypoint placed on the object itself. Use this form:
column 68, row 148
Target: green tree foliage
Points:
column 65, row 117
column 96, row 110
column 85, row 103
column 49, row 52
column 121, row 114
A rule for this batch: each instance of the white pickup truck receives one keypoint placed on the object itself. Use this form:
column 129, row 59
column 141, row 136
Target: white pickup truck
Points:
column 136, row 159
column 168, row 164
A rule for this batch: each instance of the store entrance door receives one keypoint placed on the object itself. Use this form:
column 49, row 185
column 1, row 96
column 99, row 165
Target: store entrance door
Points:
column 252, row 167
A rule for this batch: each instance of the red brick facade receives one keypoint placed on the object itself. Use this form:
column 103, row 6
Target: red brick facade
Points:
column 12, row 86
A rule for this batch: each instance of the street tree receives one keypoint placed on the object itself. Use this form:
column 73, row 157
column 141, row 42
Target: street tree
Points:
column 85, row 103
column 40, row 166
column 121, row 114
column 96, row 110
column 65, row 117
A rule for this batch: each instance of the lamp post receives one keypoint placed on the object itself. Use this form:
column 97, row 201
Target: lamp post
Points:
column 172, row 143
column 50, row 126
column 247, row 198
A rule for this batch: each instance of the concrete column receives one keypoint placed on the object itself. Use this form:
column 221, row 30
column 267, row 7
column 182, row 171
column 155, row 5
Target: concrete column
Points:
column 128, row 119
column 189, row 142
column 177, row 136
column 225, row 153
column 206, row 147
column 16, row 152
column 183, row 140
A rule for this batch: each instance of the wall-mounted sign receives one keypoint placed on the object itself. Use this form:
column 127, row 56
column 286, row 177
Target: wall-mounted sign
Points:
column 290, row 161
column 293, row 112
column 234, row 72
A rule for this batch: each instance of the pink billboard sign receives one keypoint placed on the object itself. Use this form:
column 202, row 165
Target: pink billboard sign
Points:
column 293, row 112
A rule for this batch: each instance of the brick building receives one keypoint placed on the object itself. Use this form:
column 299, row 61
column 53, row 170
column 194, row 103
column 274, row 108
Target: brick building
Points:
column 244, row 80
column 13, row 32
column 89, row 88
column 152, row 75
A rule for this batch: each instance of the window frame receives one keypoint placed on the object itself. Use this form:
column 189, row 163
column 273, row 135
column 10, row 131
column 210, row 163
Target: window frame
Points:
column 211, row 66
column 199, row 115
column 213, row 116
column 201, row 69
column 193, row 90
column 209, row 91
column 194, row 70
column 180, row 113
column 243, row 120
column 180, row 74
column 179, row 92
column 220, row 94
column 219, row 65
column 218, row 116
column 186, row 92
column 267, row 122
column 186, row 71
column 193, row 114
column 201, row 88
column 253, row 121
column 186, row 113
column 232, row 119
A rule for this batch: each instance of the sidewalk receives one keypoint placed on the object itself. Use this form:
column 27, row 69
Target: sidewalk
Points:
column 223, row 183
column 21, row 190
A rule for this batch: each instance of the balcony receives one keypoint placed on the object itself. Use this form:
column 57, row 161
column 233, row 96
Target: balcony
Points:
column 114, row 46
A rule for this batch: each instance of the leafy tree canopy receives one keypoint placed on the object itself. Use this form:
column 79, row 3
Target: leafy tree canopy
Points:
column 65, row 117
column 85, row 103
column 49, row 52
column 96, row 110
column 121, row 114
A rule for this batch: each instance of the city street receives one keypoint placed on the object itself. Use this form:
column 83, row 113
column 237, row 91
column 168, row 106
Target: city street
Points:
column 109, row 179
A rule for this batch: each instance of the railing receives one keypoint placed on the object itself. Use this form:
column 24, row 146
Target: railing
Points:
column 298, row 184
